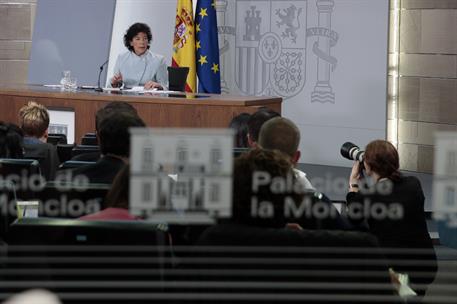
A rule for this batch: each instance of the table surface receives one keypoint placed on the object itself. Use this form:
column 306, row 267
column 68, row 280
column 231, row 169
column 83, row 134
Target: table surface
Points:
column 156, row 97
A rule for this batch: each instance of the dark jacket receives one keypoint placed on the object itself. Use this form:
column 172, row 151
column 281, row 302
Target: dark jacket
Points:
column 103, row 171
column 397, row 219
column 45, row 154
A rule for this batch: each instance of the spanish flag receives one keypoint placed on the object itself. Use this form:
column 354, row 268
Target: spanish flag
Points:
column 184, row 42
column 208, row 68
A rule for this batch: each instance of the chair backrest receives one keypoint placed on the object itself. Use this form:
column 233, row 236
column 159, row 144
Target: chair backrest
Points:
column 101, row 254
column 90, row 135
column 13, row 187
column 8, row 197
column 82, row 149
column 72, row 164
column 55, row 138
column 18, row 166
column 60, row 199
column 448, row 234
column 58, row 231
column 268, row 264
column 64, row 151
column 238, row 151
column 89, row 141
column 177, row 78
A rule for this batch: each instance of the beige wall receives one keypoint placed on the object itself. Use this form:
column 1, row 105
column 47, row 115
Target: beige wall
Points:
column 16, row 28
column 427, row 86
column 426, row 99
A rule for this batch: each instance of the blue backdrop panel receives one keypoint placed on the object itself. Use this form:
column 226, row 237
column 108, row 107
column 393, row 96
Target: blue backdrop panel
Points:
column 71, row 35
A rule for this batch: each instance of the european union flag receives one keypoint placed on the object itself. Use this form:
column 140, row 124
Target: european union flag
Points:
column 207, row 46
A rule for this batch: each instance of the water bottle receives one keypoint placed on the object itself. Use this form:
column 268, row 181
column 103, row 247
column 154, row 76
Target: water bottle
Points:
column 65, row 78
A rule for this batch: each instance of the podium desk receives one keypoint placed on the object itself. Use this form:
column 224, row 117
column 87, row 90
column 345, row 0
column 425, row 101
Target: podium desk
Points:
column 157, row 110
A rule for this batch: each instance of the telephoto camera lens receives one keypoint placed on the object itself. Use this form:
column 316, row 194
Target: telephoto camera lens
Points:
column 352, row 152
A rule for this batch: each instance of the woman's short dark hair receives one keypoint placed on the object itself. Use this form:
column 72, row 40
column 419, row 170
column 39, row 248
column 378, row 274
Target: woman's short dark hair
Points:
column 276, row 165
column 133, row 30
column 382, row 157
column 11, row 137
column 113, row 132
column 239, row 124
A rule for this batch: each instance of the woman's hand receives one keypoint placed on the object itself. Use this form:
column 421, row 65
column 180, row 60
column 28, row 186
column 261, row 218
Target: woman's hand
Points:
column 116, row 81
column 152, row 85
column 354, row 177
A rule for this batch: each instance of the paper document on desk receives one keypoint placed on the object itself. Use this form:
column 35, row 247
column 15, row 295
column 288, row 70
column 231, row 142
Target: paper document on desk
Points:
column 161, row 91
column 140, row 90
column 135, row 89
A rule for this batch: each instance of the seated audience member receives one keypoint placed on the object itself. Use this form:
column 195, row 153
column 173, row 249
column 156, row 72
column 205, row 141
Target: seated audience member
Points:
column 11, row 138
column 114, row 137
column 239, row 124
column 278, row 248
column 117, row 200
column 283, row 135
column 255, row 124
column 34, row 122
column 112, row 107
column 273, row 165
column 402, row 224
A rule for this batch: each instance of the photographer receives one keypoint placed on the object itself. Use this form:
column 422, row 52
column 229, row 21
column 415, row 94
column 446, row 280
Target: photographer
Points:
column 406, row 228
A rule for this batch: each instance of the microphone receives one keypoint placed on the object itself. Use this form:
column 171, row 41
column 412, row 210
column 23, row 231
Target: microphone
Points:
column 99, row 88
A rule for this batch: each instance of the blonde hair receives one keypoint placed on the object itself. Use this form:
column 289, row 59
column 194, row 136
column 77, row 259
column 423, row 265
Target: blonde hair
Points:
column 34, row 119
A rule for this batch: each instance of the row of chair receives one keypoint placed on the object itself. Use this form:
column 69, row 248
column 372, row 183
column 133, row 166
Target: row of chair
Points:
column 240, row 264
column 89, row 139
column 67, row 152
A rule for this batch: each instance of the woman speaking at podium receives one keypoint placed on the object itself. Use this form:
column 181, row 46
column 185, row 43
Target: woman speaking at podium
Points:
column 138, row 66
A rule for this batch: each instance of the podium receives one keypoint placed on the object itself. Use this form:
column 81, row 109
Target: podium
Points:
column 157, row 110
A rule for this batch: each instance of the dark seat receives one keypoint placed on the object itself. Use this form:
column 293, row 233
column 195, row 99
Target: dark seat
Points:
column 62, row 199
column 119, row 259
column 64, row 152
column 58, row 231
column 177, row 78
column 272, row 265
column 238, row 151
column 89, row 141
column 15, row 175
column 82, row 149
column 55, row 138
column 72, row 164
column 15, row 166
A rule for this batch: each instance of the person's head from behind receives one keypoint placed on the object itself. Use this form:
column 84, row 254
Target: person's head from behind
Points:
column 281, row 134
column 118, row 195
column 137, row 38
column 34, row 120
column 381, row 160
column 112, row 107
column 239, row 124
column 10, row 141
column 114, row 136
column 253, row 174
column 255, row 124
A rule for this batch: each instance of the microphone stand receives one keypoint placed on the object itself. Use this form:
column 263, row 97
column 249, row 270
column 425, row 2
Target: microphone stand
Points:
column 99, row 88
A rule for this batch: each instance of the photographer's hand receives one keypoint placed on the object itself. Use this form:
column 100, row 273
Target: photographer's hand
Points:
column 354, row 177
